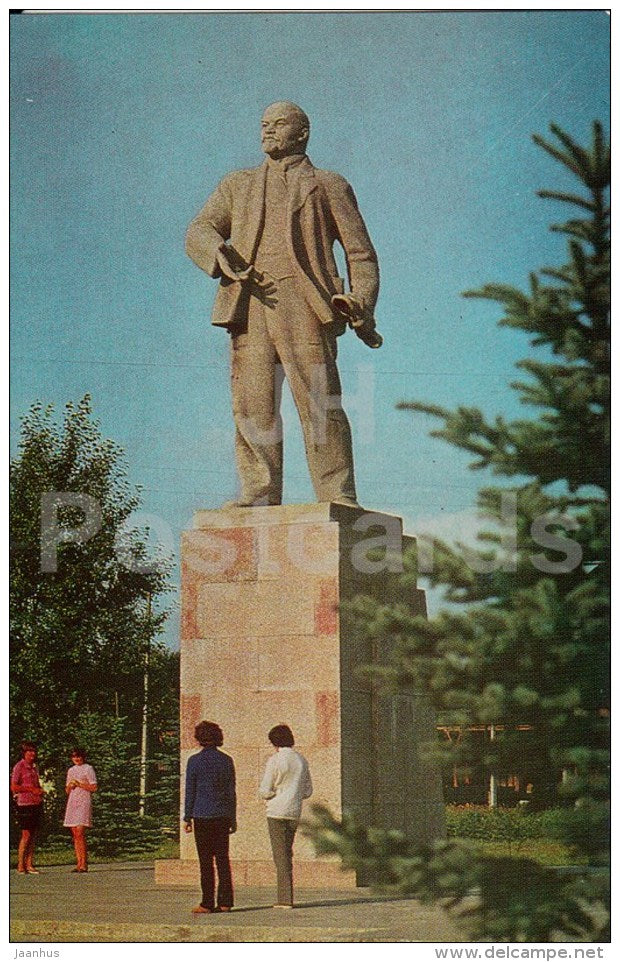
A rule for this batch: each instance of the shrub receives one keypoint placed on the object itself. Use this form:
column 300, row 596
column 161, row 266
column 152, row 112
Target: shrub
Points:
column 502, row 824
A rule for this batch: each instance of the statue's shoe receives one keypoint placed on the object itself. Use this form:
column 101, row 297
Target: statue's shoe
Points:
column 348, row 502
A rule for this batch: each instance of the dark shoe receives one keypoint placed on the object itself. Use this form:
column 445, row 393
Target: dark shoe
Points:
column 201, row 910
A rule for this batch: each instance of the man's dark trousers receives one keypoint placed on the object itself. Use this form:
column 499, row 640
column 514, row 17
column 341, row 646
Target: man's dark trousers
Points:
column 212, row 837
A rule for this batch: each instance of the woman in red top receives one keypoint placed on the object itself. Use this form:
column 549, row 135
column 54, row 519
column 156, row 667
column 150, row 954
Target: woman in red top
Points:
column 27, row 791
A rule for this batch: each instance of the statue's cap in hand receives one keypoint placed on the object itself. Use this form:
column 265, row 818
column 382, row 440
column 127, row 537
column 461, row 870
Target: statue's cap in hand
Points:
column 347, row 308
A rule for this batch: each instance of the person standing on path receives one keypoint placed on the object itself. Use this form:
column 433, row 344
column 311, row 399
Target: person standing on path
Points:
column 211, row 813
column 28, row 794
column 285, row 784
column 80, row 785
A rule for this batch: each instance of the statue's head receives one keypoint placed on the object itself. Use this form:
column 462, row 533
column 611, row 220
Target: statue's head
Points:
column 285, row 130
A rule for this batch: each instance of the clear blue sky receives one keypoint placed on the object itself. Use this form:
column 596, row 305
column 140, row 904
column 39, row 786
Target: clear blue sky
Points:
column 123, row 124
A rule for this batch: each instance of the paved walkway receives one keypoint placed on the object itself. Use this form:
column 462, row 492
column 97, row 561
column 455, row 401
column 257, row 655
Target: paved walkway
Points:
column 119, row 902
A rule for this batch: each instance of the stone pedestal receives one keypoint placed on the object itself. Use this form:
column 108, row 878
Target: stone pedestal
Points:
column 263, row 641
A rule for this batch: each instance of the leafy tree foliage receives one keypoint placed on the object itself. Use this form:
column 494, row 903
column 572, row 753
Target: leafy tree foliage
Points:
column 79, row 633
column 530, row 645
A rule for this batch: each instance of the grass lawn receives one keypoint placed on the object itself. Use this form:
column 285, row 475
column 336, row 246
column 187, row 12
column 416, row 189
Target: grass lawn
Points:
column 56, row 854
column 546, row 851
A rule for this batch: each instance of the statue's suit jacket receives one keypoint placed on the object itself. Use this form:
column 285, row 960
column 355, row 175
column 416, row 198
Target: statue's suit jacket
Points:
column 322, row 209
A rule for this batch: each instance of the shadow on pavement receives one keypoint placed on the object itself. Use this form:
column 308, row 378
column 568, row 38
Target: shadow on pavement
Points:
column 321, row 903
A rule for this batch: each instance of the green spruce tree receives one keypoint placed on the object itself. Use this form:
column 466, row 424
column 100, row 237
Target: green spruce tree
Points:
column 530, row 645
column 112, row 749
column 163, row 754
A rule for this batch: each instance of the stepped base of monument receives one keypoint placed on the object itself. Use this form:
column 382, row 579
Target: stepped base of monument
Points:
column 259, row 873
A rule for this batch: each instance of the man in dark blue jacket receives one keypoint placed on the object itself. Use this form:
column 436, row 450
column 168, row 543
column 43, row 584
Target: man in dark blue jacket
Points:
column 211, row 811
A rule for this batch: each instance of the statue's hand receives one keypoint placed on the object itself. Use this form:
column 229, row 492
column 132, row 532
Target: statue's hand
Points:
column 228, row 270
column 348, row 308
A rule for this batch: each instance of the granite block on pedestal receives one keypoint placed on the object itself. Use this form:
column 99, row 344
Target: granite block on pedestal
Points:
column 263, row 641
